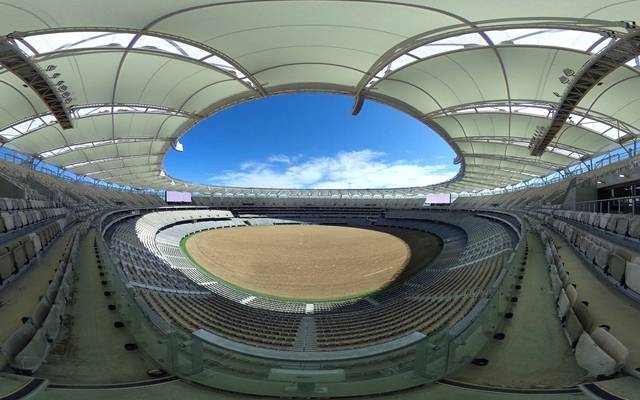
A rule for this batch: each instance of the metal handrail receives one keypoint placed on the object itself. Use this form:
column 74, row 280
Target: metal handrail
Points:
column 616, row 205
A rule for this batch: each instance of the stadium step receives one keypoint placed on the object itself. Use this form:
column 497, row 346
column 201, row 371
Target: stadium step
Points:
column 624, row 388
column 15, row 387
column 306, row 338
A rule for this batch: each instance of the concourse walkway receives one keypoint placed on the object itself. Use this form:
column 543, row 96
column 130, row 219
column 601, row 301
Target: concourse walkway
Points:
column 534, row 352
column 91, row 349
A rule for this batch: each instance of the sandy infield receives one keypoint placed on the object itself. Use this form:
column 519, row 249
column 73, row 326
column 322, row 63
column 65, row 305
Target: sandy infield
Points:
column 301, row 261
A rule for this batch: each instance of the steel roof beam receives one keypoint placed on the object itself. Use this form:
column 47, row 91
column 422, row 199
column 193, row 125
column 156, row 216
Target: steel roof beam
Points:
column 602, row 64
column 520, row 160
column 15, row 61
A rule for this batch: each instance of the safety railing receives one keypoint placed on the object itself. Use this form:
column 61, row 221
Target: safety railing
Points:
column 410, row 361
column 577, row 170
column 617, row 205
column 26, row 161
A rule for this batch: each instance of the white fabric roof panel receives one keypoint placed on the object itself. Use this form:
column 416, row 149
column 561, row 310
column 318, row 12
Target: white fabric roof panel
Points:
column 186, row 60
column 98, row 128
column 17, row 104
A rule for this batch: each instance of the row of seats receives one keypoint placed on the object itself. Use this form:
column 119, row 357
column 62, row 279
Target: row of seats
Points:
column 595, row 348
column 12, row 220
column 27, row 348
column 7, row 204
column 71, row 192
column 621, row 265
column 622, row 224
column 18, row 254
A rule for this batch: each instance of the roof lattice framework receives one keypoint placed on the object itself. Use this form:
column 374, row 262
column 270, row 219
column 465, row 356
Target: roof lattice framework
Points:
column 134, row 76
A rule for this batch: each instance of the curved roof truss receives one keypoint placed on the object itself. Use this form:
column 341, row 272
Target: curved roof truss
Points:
column 484, row 81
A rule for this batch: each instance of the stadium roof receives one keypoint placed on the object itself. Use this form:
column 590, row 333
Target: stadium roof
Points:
column 105, row 88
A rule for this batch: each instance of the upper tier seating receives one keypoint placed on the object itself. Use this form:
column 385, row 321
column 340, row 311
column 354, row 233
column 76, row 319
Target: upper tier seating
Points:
column 604, row 241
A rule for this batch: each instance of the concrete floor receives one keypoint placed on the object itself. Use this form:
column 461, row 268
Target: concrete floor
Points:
column 10, row 383
column 627, row 387
column 20, row 298
column 92, row 349
column 606, row 304
column 179, row 390
column 535, row 352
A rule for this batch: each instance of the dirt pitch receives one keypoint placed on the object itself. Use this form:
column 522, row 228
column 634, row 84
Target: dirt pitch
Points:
column 308, row 262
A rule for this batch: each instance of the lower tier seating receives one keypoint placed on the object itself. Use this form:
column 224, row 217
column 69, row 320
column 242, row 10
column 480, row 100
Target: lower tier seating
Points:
column 27, row 348
column 149, row 261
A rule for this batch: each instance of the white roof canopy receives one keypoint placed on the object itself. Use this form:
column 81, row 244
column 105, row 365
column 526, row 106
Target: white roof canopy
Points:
column 135, row 76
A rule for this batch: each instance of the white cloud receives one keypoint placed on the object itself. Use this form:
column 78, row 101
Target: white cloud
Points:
column 279, row 158
column 355, row 169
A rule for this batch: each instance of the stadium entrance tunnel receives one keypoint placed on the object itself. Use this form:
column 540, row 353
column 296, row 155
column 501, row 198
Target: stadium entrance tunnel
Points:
column 311, row 141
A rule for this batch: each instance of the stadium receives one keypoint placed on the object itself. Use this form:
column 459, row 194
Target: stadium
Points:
column 516, row 277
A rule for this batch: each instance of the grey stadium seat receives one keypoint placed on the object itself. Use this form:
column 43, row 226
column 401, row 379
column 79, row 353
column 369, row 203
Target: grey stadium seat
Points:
column 556, row 283
column 600, row 353
column 611, row 224
column 16, row 342
column 602, row 257
column 41, row 312
column 634, row 227
column 572, row 328
column 632, row 275
column 584, row 316
column 604, row 220
column 33, row 355
column 622, row 226
column 53, row 323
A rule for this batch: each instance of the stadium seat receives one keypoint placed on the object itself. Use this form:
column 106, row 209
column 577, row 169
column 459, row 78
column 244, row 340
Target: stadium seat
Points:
column 593, row 358
column 37, row 245
column 572, row 328
column 564, row 276
column 30, row 249
column 33, row 354
column 617, row 271
column 604, row 220
column 7, row 220
column 20, row 256
column 632, row 276
column 556, row 283
column 612, row 223
column 581, row 311
column 7, row 264
column 16, row 342
column 622, row 225
column 634, row 227
column 53, row 323
column 600, row 353
column 602, row 257
column 566, row 301
column 41, row 311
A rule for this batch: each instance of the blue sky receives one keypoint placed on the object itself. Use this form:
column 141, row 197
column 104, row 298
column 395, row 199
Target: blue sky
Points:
column 311, row 141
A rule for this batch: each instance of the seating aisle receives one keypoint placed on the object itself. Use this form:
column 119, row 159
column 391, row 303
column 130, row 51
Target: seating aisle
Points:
column 534, row 352
column 91, row 349
column 606, row 305
column 20, row 297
